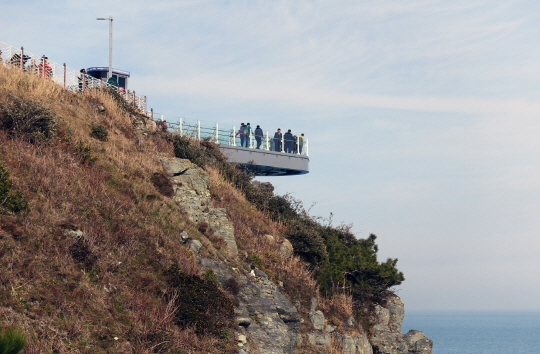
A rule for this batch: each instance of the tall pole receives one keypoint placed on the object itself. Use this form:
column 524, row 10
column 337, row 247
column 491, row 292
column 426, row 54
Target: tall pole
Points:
column 110, row 47
column 110, row 19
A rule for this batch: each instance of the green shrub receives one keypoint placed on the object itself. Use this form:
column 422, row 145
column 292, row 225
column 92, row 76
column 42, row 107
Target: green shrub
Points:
column 10, row 201
column 12, row 340
column 84, row 153
column 337, row 256
column 27, row 119
column 99, row 132
column 201, row 303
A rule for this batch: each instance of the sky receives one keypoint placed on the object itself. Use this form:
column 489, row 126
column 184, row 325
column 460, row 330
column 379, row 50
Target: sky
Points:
column 422, row 116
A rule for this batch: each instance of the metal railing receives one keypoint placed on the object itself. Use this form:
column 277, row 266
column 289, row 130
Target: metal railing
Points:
column 68, row 78
column 226, row 134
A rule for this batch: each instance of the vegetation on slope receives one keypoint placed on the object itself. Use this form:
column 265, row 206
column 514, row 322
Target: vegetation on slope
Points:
column 90, row 257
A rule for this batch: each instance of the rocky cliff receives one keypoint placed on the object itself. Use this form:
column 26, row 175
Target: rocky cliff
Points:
column 269, row 323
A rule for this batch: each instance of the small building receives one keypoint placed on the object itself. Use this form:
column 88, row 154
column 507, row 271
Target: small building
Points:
column 101, row 72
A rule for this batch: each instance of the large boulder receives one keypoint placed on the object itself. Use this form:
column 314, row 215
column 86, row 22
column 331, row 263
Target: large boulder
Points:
column 286, row 249
column 386, row 336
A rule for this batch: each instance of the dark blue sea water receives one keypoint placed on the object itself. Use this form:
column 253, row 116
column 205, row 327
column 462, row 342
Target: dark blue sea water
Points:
column 478, row 332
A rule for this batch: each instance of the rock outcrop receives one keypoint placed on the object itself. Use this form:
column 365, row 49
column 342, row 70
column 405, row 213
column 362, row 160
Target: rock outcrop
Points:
column 268, row 321
column 192, row 193
column 265, row 315
column 386, row 335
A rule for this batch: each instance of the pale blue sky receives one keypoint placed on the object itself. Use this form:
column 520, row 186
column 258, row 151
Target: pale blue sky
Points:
column 422, row 116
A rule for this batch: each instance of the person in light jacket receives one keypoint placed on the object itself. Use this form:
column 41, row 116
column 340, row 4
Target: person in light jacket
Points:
column 258, row 136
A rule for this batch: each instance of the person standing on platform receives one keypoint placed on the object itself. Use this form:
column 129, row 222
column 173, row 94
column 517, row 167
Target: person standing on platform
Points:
column 288, row 137
column 241, row 132
column 258, row 136
column 247, row 133
column 277, row 140
column 44, row 69
column 301, row 142
column 32, row 68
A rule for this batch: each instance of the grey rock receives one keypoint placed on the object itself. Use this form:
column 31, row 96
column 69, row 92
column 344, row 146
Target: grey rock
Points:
column 386, row 337
column 264, row 312
column 418, row 343
column 260, row 274
column 74, row 234
column 317, row 319
column 319, row 339
column 286, row 249
column 350, row 321
column 330, row 328
column 353, row 344
column 243, row 321
column 314, row 304
column 183, row 236
column 195, row 246
column 192, row 193
column 269, row 238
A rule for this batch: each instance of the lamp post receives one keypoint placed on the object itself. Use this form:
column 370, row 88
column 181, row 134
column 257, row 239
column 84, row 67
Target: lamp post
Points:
column 110, row 18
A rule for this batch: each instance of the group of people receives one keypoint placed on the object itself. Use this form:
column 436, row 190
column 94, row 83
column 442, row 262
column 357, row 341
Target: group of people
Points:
column 292, row 144
column 43, row 69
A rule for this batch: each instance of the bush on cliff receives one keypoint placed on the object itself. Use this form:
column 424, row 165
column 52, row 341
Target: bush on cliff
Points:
column 26, row 119
column 12, row 340
column 10, row 201
column 340, row 260
column 200, row 302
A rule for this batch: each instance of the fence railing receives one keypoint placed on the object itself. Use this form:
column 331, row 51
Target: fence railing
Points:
column 226, row 134
column 68, row 78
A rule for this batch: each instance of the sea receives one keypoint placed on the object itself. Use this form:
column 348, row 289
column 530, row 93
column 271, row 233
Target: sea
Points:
column 477, row 332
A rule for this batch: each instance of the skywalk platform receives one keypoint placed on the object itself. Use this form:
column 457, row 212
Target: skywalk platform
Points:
column 267, row 163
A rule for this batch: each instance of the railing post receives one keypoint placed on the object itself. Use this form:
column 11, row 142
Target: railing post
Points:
column 307, row 151
column 65, row 76
column 233, row 136
column 145, row 104
column 217, row 134
column 282, row 143
column 267, row 141
column 152, row 113
column 180, row 127
column 198, row 130
column 162, row 118
column 22, row 58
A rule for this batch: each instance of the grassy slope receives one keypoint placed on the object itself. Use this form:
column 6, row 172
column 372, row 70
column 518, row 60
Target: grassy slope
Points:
column 121, row 303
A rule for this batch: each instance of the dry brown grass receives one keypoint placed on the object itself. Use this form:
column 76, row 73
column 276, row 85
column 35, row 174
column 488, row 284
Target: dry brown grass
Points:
column 129, row 227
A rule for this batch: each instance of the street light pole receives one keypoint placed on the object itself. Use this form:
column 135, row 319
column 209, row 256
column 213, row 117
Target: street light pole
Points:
column 110, row 18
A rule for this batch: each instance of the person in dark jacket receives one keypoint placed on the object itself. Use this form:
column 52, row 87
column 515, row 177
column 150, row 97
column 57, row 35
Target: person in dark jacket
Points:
column 258, row 136
column 277, row 140
column 289, row 140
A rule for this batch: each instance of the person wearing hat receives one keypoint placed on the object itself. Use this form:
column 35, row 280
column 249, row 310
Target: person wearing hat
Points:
column 301, row 142
column 44, row 69
column 289, row 140
column 258, row 136
column 277, row 140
